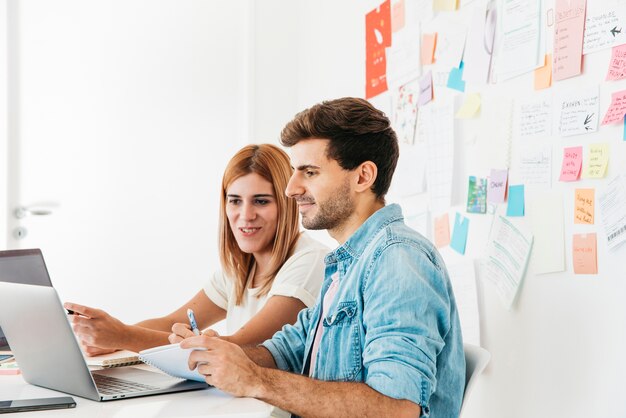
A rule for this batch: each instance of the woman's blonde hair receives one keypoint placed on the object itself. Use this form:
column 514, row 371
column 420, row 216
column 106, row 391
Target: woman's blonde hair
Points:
column 271, row 163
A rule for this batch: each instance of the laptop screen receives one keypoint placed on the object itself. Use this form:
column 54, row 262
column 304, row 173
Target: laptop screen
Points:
column 22, row 266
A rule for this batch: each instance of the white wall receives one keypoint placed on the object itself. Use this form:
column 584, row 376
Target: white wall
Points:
column 3, row 122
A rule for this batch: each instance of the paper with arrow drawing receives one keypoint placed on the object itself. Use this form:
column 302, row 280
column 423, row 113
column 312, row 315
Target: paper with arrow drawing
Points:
column 579, row 112
column 605, row 27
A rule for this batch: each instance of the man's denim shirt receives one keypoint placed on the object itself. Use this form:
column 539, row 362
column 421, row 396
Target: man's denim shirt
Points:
column 393, row 323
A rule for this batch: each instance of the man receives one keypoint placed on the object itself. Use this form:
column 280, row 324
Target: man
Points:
column 384, row 337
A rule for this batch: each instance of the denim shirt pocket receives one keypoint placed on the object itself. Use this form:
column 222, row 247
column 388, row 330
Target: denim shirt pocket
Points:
column 341, row 329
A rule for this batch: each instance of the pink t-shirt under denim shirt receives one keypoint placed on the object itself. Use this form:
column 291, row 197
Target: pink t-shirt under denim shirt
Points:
column 328, row 300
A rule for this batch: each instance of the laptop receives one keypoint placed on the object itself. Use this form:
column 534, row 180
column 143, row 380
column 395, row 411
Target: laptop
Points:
column 22, row 266
column 49, row 355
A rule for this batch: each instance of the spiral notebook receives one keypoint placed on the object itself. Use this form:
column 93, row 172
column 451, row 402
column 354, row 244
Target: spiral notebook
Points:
column 116, row 359
column 172, row 360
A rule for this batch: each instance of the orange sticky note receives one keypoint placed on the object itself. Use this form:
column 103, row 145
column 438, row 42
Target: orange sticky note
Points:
column 543, row 75
column 584, row 206
column 442, row 231
column 429, row 43
column 584, row 254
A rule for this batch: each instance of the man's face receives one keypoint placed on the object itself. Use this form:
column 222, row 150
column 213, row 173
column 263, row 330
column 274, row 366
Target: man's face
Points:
column 320, row 186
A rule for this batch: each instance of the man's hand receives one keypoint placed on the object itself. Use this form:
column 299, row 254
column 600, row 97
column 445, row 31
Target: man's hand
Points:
column 182, row 331
column 97, row 331
column 225, row 365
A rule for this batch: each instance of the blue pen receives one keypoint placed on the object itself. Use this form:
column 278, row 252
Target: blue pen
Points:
column 192, row 322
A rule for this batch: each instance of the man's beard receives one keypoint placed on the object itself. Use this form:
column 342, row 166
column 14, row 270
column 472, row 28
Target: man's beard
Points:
column 333, row 212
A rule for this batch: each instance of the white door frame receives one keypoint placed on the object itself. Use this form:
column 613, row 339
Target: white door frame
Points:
column 4, row 126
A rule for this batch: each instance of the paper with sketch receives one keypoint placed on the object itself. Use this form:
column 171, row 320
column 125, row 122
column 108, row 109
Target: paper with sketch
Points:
column 479, row 45
column 604, row 27
column 584, row 206
column 546, row 216
column 172, row 360
column 612, row 203
column 533, row 117
column 579, row 112
column 405, row 111
column 450, row 42
column 463, row 280
column 568, row 38
column 572, row 163
column 535, row 165
column 403, row 56
column 506, row 258
column 519, row 37
column 437, row 127
column 617, row 64
column 584, row 253
column 617, row 109
column 597, row 161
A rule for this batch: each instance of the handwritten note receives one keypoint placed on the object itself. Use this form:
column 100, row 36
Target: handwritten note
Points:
column 597, row 161
column 470, row 106
column 584, row 206
column 568, row 38
column 442, row 231
column 579, row 112
column 534, row 118
column 426, row 89
column 584, row 254
column 617, row 109
column 604, row 27
column 516, row 201
column 572, row 163
column 429, row 43
column 535, row 165
column 496, row 190
column 459, row 233
column 543, row 75
column 617, row 64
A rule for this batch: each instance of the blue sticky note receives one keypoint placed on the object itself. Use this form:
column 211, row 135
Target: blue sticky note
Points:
column 459, row 234
column 455, row 79
column 516, row 201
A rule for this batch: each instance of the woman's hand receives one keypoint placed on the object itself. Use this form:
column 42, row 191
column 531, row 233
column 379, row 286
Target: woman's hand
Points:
column 97, row 331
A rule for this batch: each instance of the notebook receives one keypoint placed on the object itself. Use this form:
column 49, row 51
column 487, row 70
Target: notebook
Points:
column 49, row 355
column 116, row 359
column 172, row 360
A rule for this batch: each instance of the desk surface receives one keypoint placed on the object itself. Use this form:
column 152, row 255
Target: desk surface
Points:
column 210, row 403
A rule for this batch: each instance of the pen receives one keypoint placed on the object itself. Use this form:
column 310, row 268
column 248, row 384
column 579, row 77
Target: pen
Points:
column 192, row 322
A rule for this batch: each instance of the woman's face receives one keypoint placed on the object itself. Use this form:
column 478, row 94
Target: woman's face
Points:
column 252, row 214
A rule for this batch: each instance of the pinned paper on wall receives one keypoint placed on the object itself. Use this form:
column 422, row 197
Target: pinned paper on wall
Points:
column 426, row 89
column 568, row 38
column 397, row 15
column 450, row 42
column 535, row 165
column 617, row 64
column 534, row 117
column 584, row 253
column 377, row 38
column 477, row 195
column 546, row 218
column 572, row 163
column 436, row 126
column 429, row 43
column 442, row 231
column 604, row 26
column 597, row 161
column 543, row 75
column 470, row 106
column 496, row 190
column 617, row 109
column 479, row 45
column 455, row 79
column 444, row 5
column 579, row 112
column 403, row 57
column 405, row 112
column 459, row 233
column 612, row 203
column 516, row 201
column 463, row 281
column 584, row 206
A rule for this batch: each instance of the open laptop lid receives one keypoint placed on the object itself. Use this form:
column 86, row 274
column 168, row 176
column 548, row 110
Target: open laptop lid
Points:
column 22, row 266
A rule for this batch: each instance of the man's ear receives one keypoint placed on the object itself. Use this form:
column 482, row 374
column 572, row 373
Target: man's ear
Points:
column 366, row 176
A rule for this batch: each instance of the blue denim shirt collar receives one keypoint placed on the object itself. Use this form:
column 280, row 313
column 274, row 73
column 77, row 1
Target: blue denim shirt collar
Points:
column 358, row 241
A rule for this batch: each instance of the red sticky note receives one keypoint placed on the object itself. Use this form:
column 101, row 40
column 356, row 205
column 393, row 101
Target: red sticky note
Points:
column 584, row 254
column 572, row 163
column 442, row 231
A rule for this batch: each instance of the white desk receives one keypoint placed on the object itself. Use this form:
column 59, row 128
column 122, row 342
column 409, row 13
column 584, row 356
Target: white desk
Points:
column 210, row 403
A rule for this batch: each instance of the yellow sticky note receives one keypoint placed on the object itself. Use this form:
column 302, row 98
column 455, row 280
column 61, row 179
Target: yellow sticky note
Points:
column 584, row 206
column 597, row 161
column 584, row 254
column 470, row 106
column 543, row 75
column 444, row 5
column 442, row 231
column 429, row 43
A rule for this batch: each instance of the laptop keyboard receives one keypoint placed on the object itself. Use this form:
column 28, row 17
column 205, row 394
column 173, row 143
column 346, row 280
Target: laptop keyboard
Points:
column 108, row 385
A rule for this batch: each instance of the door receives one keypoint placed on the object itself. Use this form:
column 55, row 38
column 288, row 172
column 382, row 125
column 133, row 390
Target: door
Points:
column 122, row 115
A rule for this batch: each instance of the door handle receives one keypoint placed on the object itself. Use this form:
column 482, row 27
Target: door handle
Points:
column 34, row 210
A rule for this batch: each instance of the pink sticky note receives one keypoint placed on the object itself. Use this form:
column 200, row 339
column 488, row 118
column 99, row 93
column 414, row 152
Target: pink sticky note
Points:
column 397, row 16
column 617, row 109
column 584, row 254
column 442, row 231
column 572, row 163
column 568, row 38
column 617, row 65
column 429, row 42
column 496, row 186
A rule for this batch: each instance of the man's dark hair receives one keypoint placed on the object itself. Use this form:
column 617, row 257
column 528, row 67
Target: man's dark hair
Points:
column 357, row 132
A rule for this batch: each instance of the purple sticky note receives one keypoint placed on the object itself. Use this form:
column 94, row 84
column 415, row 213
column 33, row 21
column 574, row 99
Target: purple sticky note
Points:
column 426, row 89
column 572, row 163
column 496, row 188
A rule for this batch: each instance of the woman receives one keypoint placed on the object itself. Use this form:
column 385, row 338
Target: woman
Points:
column 270, row 271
